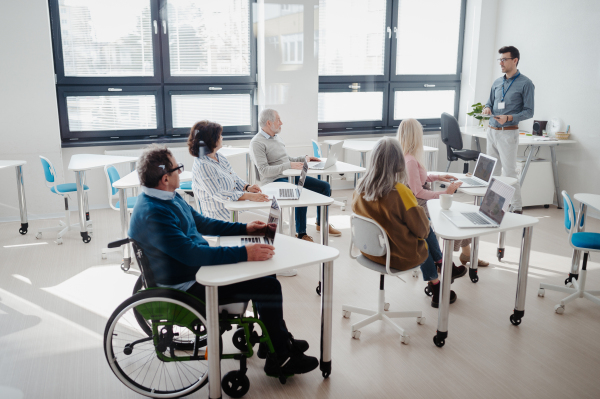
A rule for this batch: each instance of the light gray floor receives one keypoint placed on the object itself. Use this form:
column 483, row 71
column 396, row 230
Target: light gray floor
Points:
column 55, row 301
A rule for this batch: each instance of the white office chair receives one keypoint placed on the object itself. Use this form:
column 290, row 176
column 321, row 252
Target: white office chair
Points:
column 62, row 190
column 370, row 237
column 317, row 153
column 580, row 241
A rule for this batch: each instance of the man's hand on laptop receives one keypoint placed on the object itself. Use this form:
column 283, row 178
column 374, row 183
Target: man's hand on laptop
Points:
column 297, row 165
column 256, row 228
column 453, row 187
column 259, row 252
column 312, row 159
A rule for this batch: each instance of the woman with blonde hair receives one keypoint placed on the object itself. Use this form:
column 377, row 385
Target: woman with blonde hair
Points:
column 410, row 135
column 382, row 196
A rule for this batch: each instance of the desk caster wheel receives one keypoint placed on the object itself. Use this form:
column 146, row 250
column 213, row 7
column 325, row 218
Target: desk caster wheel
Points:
column 235, row 384
column 23, row 231
column 38, row 235
column 541, row 292
column 346, row 314
column 59, row 241
column 473, row 275
column 356, row 334
column 124, row 268
column 515, row 320
column 415, row 273
column 421, row 320
column 405, row 339
column 439, row 342
column 428, row 291
column 386, row 306
column 559, row 309
column 326, row 374
column 85, row 237
column 318, row 290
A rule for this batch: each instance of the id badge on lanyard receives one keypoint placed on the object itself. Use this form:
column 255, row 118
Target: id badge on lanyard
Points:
column 501, row 105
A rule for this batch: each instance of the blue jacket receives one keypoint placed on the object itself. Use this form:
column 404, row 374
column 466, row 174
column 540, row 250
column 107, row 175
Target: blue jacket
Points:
column 169, row 232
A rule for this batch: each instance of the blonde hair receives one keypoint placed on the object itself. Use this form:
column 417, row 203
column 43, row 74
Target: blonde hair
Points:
column 387, row 167
column 410, row 135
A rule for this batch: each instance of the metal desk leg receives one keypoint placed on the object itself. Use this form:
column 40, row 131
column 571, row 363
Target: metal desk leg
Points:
column 22, row 202
column 519, row 311
column 292, row 213
column 249, row 178
column 474, row 259
column 363, row 162
column 574, row 274
column 124, row 214
column 446, row 279
column 326, row 299
column 79, row 176
column 524, row 171
column 212, row 331
column 501, row 239
column 132, row 167
column 559, row 201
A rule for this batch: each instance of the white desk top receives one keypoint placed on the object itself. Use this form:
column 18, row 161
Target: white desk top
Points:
column 523, row 140
column 591, row 200
column 339, row 167
column 133, row 180
column 8, row 164
column 81, row 162
column 232, row 151
column 477, row 191
column 445, row 229
column 368, row 145
column 307, row 198
column 290, row 253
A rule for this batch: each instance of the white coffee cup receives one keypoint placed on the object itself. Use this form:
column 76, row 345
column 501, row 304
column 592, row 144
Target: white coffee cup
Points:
column 445, row 201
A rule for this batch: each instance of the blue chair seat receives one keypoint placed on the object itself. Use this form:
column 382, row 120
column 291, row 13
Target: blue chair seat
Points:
column 67, row 188
column 130, row 203
column 586, row 240
column 186, row 185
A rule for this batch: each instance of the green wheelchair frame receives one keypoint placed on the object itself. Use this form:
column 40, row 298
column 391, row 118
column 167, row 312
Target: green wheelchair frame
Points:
column 164, row 316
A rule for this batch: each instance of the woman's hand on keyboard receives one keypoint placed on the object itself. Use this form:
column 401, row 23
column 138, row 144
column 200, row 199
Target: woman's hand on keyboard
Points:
column 254, row 189
column 451, row 189
column 259, row 252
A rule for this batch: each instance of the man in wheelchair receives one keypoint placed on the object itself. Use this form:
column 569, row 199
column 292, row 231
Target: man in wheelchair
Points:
column 170, row 233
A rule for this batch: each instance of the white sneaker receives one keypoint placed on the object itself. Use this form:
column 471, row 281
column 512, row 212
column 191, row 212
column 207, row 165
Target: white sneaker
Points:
column 288, row 273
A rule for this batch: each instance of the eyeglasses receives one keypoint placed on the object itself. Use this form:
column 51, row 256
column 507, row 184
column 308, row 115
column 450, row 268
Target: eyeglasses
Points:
column 502, row 60
column 179, row 167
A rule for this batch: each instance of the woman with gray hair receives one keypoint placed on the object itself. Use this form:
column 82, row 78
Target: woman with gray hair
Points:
column 383, row 197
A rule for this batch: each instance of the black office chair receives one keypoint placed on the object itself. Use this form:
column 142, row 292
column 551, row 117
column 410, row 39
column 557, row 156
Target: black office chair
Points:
column 452, row 137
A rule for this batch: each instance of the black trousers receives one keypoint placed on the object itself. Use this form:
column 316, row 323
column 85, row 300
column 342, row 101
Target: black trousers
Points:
column 265, row 293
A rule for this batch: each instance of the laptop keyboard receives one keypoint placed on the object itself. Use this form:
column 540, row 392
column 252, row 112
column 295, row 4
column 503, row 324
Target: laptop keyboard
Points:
column 470, row 181
column 286, row 192
column 475, row 218
column 319, row 165
column 256, row 240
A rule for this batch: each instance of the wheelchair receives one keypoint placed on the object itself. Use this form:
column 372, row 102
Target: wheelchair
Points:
column 155, row 342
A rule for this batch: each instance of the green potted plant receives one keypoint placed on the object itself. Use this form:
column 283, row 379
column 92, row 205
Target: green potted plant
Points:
column 476, row 113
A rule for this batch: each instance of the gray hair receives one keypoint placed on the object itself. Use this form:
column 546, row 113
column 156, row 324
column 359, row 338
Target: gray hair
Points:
column 266, row 115
column 387, row 167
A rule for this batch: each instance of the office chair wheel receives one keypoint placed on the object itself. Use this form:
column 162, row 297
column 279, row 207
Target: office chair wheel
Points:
column 59, row 241
column 343, row 208
column 239, row 341
column 421, row 320
column 356, row 334
column 559, row 309
column 86, row 239
column 22, row 231
column 346, row 314
column 428, row 291
column 103, row 255
column 38, row 235
column 235, row 384
column 546, row 206
column 318, row 289
column 515, row 320
column 541, row 292
column 405, row 339
column 438, row 341
column 475, row 278
column 415, row 273
column 124, row 268
column 386, row 306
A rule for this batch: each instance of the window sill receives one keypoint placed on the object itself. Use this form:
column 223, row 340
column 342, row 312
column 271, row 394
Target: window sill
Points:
column 142, row 140
column 363, row 132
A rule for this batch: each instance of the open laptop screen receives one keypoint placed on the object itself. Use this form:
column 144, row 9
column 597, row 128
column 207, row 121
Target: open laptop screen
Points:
column 302, row 177
column 485, row 168
column 273, row 221
column 496, row 201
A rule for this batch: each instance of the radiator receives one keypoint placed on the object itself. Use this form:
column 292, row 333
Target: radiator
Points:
column 432, row 140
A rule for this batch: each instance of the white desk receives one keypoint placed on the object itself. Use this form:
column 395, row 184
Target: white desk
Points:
column 449, row 232
column 132, row 180
column 233, row 151
column 18, row 165
column 79, row 164
column 289, row 253
column 339, row 167
column 585, row 200
column 477, row 133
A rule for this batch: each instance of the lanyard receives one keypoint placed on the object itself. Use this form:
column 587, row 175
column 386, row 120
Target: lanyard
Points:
column 513, row 81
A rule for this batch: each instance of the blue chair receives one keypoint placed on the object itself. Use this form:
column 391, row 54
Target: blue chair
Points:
column 580, row 241
column 186, row 187
column 112, row 175
column 63, row 190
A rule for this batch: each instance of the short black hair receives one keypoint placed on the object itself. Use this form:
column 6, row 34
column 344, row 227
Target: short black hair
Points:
column 148, row 166
column 204, row 131
column 514, row 52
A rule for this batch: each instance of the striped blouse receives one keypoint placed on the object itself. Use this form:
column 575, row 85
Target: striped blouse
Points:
column 215, row 183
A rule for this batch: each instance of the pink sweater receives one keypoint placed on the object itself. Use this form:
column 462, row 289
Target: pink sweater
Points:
column 417, row 177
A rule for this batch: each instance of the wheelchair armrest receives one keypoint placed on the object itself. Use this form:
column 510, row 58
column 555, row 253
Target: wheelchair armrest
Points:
column 118, row 243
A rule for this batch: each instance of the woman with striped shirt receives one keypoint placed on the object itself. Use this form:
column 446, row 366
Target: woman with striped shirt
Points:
column 214, row 181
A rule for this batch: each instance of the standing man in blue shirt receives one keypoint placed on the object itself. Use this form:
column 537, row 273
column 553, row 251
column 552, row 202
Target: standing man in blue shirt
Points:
column 170, row 233
column 511, row 101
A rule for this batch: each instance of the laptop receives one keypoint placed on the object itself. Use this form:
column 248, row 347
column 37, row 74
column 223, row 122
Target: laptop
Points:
column 493, row 207
column 268, row 238
column 482, row 174
column 289, row 193
column 334, row 153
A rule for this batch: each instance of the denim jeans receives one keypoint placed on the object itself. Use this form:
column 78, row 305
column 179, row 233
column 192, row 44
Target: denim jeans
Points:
column 312, row 184
column 429, row 267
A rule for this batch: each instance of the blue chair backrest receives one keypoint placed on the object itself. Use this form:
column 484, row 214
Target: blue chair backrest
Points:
column 48, row 170
column 316, row 149
column 570, row 216
column 113, row 176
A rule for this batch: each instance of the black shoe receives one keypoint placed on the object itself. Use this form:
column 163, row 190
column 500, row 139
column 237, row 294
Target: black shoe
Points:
column 293, row 363
column 520, row 212
column 298, row 345
column 435, row 298
column 457, row 271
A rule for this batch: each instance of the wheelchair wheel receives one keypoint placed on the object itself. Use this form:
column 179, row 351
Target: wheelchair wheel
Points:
column 155, row 364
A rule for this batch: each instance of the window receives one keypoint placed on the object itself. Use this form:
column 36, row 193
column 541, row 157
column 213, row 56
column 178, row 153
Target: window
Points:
column 141, row 69
column 381, row 61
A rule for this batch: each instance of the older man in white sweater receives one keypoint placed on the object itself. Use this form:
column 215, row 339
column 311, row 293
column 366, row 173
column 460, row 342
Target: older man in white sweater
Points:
column 271, row 158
